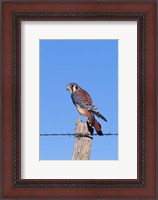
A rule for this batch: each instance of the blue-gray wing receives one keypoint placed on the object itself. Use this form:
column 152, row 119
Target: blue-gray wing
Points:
column 82, row 99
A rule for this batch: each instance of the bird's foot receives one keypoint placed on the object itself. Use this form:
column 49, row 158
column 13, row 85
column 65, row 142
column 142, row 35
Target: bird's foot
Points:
column 78, row 120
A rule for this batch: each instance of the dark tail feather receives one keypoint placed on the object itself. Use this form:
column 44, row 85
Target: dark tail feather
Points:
column 94, row 123
column 99, row 115
column 98, row 127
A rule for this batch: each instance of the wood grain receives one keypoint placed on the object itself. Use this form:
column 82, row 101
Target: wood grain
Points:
column 144, row 187
column 83, row 142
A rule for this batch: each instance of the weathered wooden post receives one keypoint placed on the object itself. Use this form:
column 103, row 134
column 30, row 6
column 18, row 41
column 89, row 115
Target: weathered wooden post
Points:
column 83, row 141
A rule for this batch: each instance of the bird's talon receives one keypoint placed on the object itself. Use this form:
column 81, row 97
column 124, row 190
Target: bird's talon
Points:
column 78, row 120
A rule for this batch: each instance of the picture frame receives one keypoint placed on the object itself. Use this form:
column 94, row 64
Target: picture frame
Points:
column 144, row 187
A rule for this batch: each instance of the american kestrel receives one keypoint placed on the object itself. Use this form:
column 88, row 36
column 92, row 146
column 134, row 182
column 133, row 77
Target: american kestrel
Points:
column 84, row 105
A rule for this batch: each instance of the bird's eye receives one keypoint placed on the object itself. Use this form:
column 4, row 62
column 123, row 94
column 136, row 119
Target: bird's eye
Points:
column 76, row 87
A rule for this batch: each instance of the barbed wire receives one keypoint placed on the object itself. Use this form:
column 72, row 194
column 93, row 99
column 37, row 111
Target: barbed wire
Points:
column 74, row 134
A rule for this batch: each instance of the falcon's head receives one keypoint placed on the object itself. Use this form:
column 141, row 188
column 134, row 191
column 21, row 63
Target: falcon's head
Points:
column 72, row 87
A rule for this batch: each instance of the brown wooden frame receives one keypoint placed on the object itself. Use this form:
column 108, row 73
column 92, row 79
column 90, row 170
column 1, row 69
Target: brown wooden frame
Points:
column 144, row 187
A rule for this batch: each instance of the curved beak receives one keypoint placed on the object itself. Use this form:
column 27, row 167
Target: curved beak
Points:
column 67, row 88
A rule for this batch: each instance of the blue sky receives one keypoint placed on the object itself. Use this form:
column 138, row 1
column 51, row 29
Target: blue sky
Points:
column 93, row 64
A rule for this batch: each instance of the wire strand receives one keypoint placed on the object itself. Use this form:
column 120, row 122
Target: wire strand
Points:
column 74, row 134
